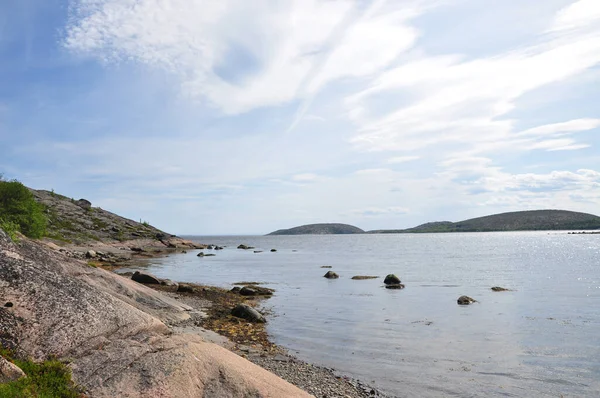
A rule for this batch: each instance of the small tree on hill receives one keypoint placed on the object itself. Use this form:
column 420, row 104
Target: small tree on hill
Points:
column 19, row 210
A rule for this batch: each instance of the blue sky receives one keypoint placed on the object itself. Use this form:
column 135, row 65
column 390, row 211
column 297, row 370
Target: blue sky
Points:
column 229, row 117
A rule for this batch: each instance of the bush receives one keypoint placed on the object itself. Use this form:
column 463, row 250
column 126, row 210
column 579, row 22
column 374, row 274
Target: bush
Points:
column 19, row 211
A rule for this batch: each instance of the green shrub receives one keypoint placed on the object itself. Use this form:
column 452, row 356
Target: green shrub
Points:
column 11, row 228
column 44, row 379
column 19, row 208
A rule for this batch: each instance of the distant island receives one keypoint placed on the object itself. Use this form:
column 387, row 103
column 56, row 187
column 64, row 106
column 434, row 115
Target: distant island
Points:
column 531, row 220
column 320, row 229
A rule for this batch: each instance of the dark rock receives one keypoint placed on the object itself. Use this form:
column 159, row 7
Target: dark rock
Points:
column 248, row 313
column 145, row 278
column 8, row 304
column 392, row 279
column 137, row 249
column 244, row 247
column 465, row 300
column 258, row 251
column 273, row 250
column 500, row 289
column 247, row 291
column 210, row 255
column 331, row 275
column 235, row 289
column 395, row 286
column 218, row 248
column 186, row 288
column 210, row 247
column 201, row 254
column 363, row 277
column 326, row 266
column 84, row 204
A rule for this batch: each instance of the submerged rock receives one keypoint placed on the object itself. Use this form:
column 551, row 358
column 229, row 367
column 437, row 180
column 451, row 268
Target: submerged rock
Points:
column 201, row 254
column 331, row 275
column 248, row 313
column 273, row 250
column 465, row 300
column 500, row 289
column 326, row 266
column 363, row 277
column 143, row 277
column 391, row 279
column 395, row 286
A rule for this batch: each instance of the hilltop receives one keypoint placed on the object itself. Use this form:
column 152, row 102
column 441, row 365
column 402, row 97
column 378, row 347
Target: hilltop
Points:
column 532, row 220
column 320, row 229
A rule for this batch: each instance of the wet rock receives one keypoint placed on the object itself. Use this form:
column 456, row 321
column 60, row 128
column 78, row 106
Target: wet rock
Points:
column 273, row 250
column 210, row 247
column 143, row 277
column 248, row 313
column 9, row 371
column 500, row 289
column 244, row 247
column 326, row 266
column 465, row 300
column 168, row 282
column 201, row 254
column 235, row 289
column 209, row 255
column 331, row 275
column 247, row 291
column 258, row 251
column 363, row 277
column 391, row 279
column 395, row 286
column 218, row 247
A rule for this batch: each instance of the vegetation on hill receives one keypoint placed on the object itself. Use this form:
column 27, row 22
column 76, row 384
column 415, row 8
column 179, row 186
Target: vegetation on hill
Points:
column 320, row 229
column 19, row 211
column 533, row 220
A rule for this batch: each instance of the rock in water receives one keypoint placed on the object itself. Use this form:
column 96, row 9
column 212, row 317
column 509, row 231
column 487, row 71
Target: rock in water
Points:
column 142, row 277
column 391, row 279
column 247, row 291
column 9, row 371
column 395, row 286
column 273, row 250
column 500, row 289
column 331, row 275
column 201, row 254
column 248, row 313
column 363, row 277
column 465, row 300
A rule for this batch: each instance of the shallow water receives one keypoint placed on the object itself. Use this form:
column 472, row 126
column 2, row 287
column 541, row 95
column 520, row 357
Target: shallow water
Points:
column 541, row 340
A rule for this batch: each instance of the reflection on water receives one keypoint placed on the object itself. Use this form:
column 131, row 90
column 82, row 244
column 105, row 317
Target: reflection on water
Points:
column 540, row 340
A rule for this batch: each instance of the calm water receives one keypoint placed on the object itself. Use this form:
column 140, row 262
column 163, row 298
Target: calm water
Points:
column 542, row 340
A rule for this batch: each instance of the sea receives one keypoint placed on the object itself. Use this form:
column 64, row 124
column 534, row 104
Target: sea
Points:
column 541, row 339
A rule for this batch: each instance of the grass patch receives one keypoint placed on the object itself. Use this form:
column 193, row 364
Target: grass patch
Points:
column 48, row 379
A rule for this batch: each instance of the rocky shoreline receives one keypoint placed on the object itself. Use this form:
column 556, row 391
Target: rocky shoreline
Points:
column 121, row 339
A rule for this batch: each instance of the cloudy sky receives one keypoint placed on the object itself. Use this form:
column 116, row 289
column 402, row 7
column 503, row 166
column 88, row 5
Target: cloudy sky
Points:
column 224, row 117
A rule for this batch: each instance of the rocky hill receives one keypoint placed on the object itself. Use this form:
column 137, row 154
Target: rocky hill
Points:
column 319, row 229
column 533, row 220
column 76, row 221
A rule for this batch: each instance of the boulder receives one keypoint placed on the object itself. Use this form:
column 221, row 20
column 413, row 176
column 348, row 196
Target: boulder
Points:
column 243, row 247
column 395, row 286
column 168, row 282
column 500, row 289
column 465, row 300
column 201, row 254
column 90, row 254
column 331, row 275
column 248, row 313
column 186, row 288
column 9, row 371
column 84, row 204
column 363, row 277
column 218, row 248
column 247, row 291
column 235, row 289
column 391, row 279
column 273, row 250
column 142, row 277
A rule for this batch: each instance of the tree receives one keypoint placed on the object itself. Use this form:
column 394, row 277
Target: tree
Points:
column 20, row 211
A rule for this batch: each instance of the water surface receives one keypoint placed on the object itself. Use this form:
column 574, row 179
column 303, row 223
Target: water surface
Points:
column 541, row 340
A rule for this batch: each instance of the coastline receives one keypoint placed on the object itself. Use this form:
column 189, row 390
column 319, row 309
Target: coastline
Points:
column 192, row 316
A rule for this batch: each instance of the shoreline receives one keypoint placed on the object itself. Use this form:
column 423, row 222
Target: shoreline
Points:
column 211, row 319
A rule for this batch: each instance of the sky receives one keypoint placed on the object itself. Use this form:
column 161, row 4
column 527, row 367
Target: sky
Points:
column 243, row 117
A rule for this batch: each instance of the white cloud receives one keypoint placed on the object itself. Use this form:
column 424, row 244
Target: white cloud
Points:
column 402, row 159
column 306, row 177
column 295, row 48
column 579, row 14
